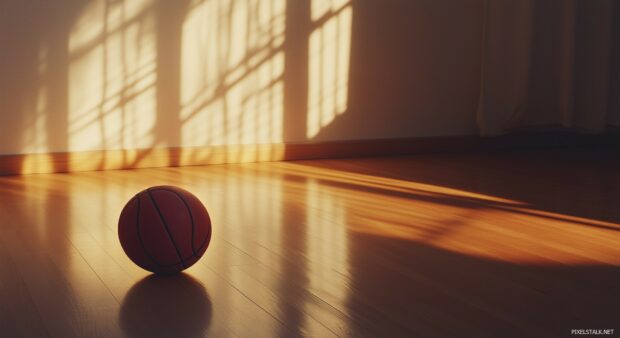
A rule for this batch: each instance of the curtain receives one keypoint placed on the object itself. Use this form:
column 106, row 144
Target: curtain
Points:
column 550, row 63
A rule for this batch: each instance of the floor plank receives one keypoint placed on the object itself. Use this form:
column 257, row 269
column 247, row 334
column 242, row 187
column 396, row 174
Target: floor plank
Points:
column 483, row 244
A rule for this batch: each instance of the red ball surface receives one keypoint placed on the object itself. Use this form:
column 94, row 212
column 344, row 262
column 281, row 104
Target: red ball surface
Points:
column 164, row 229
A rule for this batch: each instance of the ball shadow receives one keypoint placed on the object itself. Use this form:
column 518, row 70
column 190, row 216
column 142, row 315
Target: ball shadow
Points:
column 166, row 306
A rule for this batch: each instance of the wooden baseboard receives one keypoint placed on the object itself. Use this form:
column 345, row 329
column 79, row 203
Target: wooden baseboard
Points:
column 190, row 156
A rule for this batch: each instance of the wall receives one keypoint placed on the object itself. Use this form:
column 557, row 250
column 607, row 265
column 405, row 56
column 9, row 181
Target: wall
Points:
column 81, row 75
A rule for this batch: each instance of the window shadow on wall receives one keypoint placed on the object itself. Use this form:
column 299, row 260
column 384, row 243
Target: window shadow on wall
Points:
column 145, row 76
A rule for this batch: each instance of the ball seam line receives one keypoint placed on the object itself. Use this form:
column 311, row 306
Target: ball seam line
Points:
column 154, row 261
column 209, row 230
column 191, row 216
column 185, row 259
column 161, row 217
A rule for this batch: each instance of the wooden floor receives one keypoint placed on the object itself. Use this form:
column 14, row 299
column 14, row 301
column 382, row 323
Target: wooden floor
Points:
column 467, row 245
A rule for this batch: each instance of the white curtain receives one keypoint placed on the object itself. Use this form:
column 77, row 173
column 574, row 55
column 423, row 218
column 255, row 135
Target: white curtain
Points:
column 550, row 63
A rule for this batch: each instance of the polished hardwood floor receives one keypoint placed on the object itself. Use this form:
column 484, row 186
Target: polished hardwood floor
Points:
column 465, row 245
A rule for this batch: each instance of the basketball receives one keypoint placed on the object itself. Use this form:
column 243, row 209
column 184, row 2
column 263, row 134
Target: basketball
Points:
column 164, row 229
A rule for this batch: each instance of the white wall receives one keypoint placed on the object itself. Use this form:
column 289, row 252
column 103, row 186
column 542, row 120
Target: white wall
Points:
column 92, row 74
